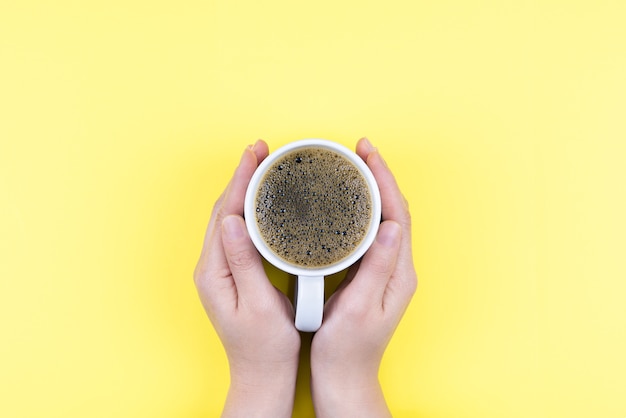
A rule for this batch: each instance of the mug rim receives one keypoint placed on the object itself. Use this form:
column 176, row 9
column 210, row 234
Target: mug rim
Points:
column 250, row 216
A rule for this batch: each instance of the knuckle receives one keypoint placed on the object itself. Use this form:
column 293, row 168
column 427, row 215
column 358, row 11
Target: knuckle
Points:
column 213, row 221
column 218, row 202
column 199, row 274
column 406, row 217
column 241, row 259
column 411, row 283
column 220, row 214
column 382, row 265
column 218, row 209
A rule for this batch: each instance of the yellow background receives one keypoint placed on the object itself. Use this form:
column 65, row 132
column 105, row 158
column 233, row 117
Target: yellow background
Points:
column 121, row 122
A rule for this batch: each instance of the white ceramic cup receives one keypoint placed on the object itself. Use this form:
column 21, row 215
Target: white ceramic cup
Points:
column 309, row 293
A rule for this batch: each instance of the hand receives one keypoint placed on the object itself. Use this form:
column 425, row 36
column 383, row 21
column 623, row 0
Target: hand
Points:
column 253, row 319
column 361, row 316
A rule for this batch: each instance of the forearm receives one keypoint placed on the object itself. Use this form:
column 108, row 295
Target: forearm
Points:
column 341, row 395
column 270, row 396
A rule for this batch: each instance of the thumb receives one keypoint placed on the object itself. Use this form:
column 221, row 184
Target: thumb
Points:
column 243, row 259
column 378, row 264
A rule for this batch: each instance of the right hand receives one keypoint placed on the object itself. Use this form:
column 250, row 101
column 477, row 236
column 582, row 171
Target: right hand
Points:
column 362, row 315
column 253, row 319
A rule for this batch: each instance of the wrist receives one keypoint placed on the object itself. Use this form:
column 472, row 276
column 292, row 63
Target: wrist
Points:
column 261, row 391
column 353, row 392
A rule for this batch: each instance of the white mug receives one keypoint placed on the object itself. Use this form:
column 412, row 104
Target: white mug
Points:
column 309, row 293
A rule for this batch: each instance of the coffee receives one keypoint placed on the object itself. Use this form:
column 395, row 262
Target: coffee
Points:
column 313, row 207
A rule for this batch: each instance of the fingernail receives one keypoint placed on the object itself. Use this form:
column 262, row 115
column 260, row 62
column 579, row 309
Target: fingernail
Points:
column 256, row 145
column 233, row 227
column 368, row 144
column 389, row 234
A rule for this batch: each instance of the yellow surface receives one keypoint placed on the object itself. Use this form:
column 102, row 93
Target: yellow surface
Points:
column 505, row 122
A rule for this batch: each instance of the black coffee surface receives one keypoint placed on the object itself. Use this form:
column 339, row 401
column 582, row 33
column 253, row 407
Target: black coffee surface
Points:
column 313, row 207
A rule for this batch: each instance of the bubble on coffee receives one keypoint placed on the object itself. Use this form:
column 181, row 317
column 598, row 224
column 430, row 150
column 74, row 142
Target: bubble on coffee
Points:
column 313, row 207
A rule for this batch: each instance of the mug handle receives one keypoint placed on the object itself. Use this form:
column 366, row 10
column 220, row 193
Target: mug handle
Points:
column 309, row 302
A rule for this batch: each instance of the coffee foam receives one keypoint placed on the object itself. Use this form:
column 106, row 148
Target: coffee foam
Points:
column 313, row 207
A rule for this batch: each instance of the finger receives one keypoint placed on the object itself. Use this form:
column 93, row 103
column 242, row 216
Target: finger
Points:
column 212, row 265
column 234, row 193
column 378, row 265
column 244, row 261
column 230, row 202
column 261, row 150
column 236, row 190
column 352, row 271
column 394, row 205
column 364, row 147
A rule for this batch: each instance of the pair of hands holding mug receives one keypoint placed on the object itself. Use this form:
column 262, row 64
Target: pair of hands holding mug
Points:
column 255, row 321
